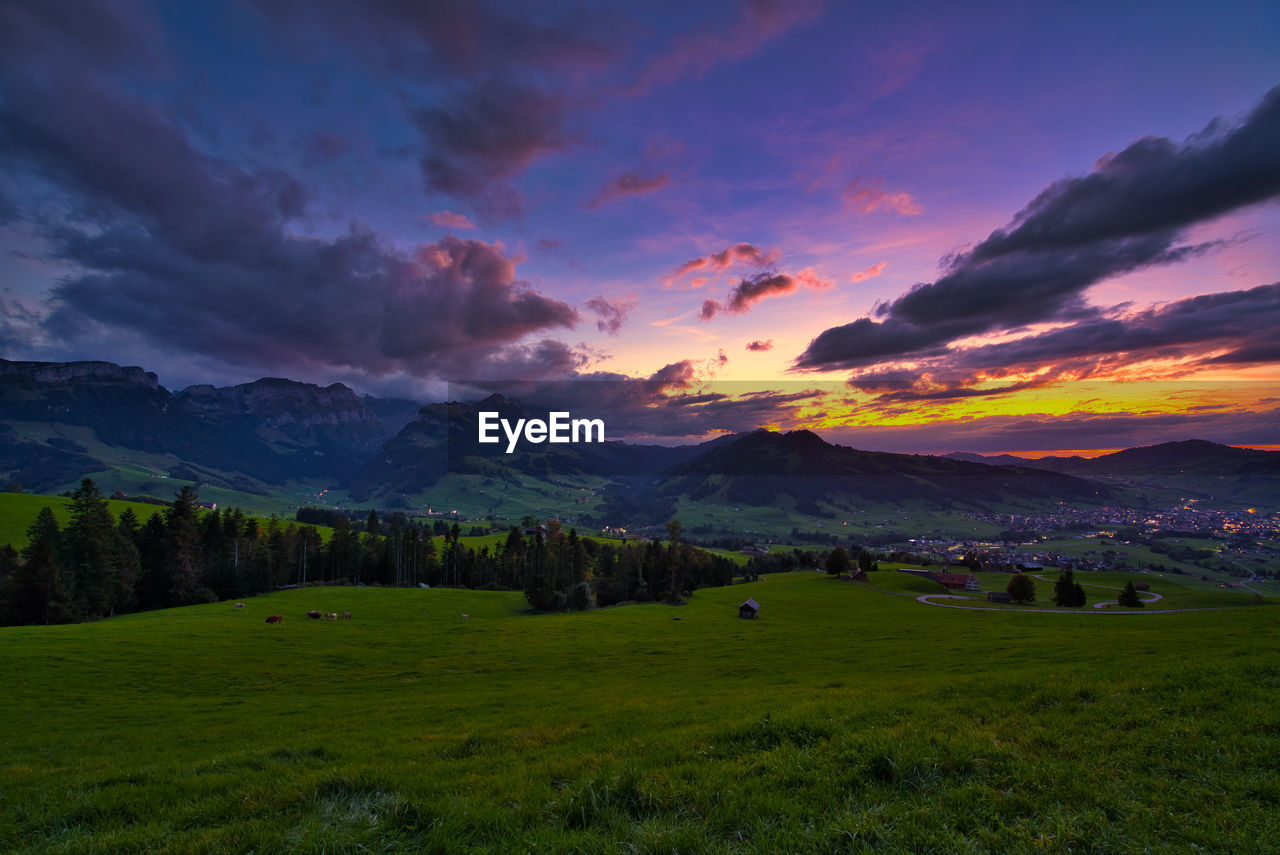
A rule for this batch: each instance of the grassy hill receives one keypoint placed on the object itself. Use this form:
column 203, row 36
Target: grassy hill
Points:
column 843, row 720
column 19, row 510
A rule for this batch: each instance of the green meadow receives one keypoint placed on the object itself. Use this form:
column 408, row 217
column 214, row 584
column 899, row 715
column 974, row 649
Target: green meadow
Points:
column 844, row 719
column 19, row 510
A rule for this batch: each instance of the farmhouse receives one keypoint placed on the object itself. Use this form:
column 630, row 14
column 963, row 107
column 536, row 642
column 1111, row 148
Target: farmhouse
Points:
column 967, row 581
column 749, row 610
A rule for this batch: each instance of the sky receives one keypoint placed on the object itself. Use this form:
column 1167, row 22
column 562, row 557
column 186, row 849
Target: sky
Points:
column 923, row 227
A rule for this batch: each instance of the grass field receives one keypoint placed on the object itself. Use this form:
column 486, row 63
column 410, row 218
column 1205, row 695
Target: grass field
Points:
column 18, row 511
column 843, row 720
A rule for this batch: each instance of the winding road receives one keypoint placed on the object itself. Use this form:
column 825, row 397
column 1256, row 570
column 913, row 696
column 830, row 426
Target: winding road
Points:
column 1100, row 608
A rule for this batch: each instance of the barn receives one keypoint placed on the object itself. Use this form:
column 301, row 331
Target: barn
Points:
column 749, row 610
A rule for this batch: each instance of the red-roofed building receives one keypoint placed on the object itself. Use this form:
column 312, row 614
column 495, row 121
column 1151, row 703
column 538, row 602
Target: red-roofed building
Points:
column 967, row 581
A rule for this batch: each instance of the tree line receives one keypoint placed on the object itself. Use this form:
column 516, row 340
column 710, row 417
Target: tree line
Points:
column 98, row 565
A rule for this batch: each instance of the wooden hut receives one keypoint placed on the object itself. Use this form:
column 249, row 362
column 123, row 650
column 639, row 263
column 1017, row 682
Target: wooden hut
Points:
column 749, row 610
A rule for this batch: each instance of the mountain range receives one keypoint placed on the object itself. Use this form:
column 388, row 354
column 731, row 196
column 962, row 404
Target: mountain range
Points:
column 62, row 421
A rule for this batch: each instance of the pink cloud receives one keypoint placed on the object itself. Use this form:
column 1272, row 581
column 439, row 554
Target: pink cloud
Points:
column 868, row 194
column 740, row 253
column 697, row 53
column 870, row 273
column 450, row 220
column 629, row 184
column 760, row 346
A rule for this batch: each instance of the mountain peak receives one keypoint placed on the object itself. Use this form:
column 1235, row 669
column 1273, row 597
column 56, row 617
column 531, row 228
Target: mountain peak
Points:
column 67, row 372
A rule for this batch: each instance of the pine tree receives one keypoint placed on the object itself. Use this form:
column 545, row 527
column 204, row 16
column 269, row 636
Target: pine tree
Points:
column 90, row 554
column 154, row 583
column 182, row 549
column 35, row 586
column 129, row 565
column 1065, row 591
column 1129, row 597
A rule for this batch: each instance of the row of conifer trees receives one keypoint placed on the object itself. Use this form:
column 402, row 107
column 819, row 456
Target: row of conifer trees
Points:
column 99, row 565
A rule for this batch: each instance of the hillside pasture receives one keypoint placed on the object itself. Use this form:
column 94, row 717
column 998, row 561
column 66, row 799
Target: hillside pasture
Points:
column 842, row 720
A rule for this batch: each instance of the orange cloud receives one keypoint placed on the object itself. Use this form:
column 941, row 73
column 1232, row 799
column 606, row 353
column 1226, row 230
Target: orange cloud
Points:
column 870, row 273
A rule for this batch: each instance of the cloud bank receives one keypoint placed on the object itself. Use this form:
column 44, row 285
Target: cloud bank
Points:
column 1131, row 212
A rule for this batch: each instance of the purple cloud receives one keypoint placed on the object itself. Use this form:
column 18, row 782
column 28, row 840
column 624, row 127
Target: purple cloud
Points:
column 613, row 313
column 1128, row 214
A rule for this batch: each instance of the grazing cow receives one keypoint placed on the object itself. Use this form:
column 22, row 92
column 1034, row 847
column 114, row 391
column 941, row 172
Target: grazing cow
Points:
column 313, row 614
column 331, row 616
column 466, row 617
column 346, row 615
column 239, row 605
column 276, row 619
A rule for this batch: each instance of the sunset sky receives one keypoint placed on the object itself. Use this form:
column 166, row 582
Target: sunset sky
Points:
column 912, row 227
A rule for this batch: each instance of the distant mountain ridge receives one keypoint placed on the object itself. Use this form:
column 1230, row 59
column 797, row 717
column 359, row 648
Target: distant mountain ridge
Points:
column 1202, row 469
column 65, row 372
column 262, row 433
column 60, row 421
column 760, row 467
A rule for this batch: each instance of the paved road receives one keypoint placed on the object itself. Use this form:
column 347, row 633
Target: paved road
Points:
column 929, row 600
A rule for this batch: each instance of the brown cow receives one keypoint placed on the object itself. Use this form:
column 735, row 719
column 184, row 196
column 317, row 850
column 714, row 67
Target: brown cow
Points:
column 276, row 619
column 314, row 615
column 346, row 615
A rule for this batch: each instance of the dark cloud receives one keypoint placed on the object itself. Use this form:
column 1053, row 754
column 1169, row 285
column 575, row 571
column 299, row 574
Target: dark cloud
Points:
column 487, row 135
column 753, row 289
column 750, row 291
column 760, row 346
column 675, row 402
column 540, row 360
column 469, row 39
column 1129, row 213
column 195, row 253
column 1234, row 327
column 613, row 313
column 134, row 165
column 1230, row 327
column 519, row 82
column 348, row 303
column 675, row 375
column 629, row 184
column 72, row 35
column 326, row 146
